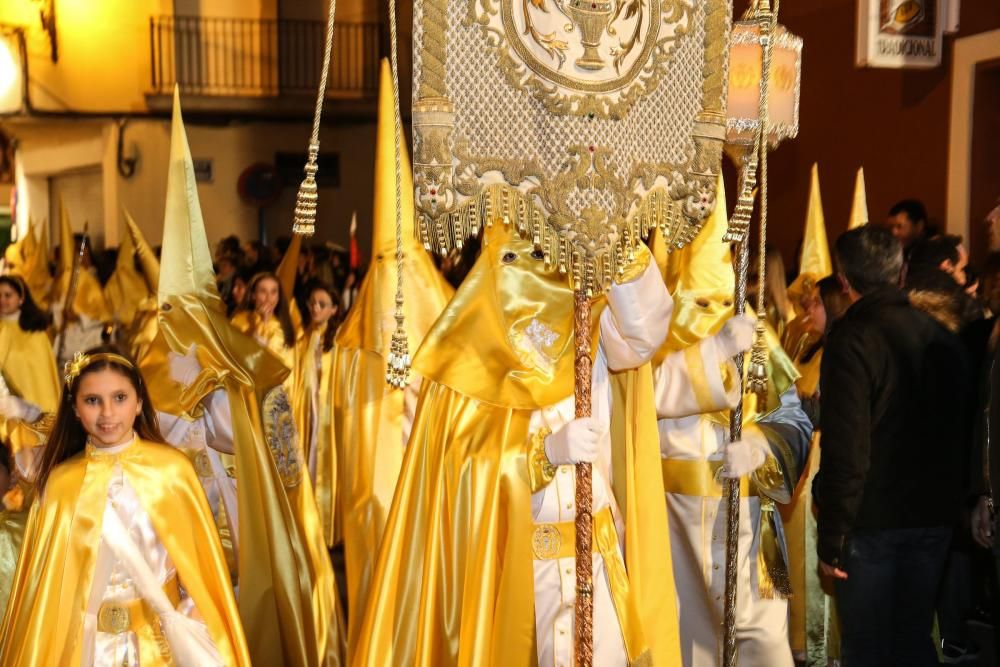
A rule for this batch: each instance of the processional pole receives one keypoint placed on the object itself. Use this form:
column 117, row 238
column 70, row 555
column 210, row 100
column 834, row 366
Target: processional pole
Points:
column 752, row 129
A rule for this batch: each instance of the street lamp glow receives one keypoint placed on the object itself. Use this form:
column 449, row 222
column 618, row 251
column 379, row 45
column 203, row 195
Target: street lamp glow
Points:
column 8, row 68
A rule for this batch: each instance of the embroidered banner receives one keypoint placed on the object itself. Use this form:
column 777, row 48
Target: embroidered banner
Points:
column 584, row 123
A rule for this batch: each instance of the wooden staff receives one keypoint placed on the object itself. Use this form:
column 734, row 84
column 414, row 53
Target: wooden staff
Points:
column 584, row 609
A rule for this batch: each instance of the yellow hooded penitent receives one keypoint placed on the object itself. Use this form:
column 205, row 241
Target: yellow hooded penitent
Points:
column 454, row 576
column 36, row 265
column 127, row 289
column 703, row 301
column 367, row 413
column 815, row 263
column 139, row 336
column 89, row 298
column 859, row 206
column 287, row 595
column 703, row 281
column 147, row 258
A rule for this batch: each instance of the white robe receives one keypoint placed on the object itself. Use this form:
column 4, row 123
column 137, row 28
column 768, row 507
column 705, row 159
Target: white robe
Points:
column 698, row 524
column 632, row 328
column 206, row 437
column 112, row 582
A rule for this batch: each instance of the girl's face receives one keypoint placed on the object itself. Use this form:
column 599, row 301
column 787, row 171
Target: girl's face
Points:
column 265, row 295
column 321, row 307
column 107, row 405
column 10, row 300
column 239, row 290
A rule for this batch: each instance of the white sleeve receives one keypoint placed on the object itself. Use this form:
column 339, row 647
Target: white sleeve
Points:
column 694, row 381
column 219, row 421
column 635, row 323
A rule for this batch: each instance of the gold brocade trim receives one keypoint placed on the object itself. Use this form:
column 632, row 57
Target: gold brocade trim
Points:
column 591, row 262
column 281, row 436
column 540, row 470
column 773, row 582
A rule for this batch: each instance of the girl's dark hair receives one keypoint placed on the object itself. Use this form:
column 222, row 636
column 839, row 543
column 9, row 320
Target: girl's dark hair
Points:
column 32, row 317
column 281, row 310
column 334, row 322
column 68, row 438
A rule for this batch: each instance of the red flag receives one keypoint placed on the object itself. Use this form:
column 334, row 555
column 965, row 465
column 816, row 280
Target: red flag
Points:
column 355, row 261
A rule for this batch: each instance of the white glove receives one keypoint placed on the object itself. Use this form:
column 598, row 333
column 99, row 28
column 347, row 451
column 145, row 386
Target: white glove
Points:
column 13, row 407
column 736, row 335
column 744, row 456
column 184, row 368
column 576, row 442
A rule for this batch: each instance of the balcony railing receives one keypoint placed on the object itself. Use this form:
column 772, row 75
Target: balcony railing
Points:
column 260, row 57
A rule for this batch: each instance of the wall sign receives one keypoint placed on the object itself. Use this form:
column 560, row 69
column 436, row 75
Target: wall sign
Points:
column 900, row 33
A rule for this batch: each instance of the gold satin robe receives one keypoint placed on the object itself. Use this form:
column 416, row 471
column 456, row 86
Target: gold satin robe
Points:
column 312, row 404
column 44, row 620
column 454, row 580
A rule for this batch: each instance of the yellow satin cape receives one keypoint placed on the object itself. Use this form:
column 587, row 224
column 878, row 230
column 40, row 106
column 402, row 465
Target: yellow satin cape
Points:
column 454, row 581
column 44, row 621
column 29, row 365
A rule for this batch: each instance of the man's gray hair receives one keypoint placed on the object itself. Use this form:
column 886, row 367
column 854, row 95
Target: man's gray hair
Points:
column 869, row 257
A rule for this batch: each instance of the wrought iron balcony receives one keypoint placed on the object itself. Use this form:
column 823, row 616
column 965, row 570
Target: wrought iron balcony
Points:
column 260, row 58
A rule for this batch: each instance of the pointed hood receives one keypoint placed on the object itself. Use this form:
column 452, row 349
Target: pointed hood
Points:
column 371, row 320
column 815, row 259
column 186, row 267
column 126, row 289
column 507, row 337
column 815, row 263
column 36, row 265
column 147, row 258
column 703, row 294
column 384, row 213
column 191, row 311
column 67, row 248
column 286, row 273
column 89, row 299
column 859, row 207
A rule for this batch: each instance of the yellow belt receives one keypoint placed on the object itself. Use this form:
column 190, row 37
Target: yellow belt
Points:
column 558, row 540
column 698, row 478
column 133, row 615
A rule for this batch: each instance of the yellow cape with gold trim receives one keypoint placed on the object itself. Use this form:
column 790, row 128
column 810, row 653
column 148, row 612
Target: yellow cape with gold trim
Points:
column 29, row 365
column 454, row 580
column 44, row 621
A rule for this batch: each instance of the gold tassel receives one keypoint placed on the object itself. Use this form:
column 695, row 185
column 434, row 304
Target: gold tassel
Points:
column 773, row 582
column 757, row 371
column 308, row 197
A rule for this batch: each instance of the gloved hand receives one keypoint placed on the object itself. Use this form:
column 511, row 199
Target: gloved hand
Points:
column 184, row 368
column 576, row 442
column 736, row 335
column 13, row 407
column 745, row 455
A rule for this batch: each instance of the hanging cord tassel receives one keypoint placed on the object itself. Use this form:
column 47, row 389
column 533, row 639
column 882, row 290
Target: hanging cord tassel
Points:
column 757, row 372
column 308, row 198
column 397, row 372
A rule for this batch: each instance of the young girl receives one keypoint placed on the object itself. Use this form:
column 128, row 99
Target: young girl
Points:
column 312, row 399
column 264, row 314
column 29, row 389
column 121, row 564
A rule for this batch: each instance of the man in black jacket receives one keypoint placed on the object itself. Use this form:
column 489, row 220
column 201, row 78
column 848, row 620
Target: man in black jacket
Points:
column 891, row 473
